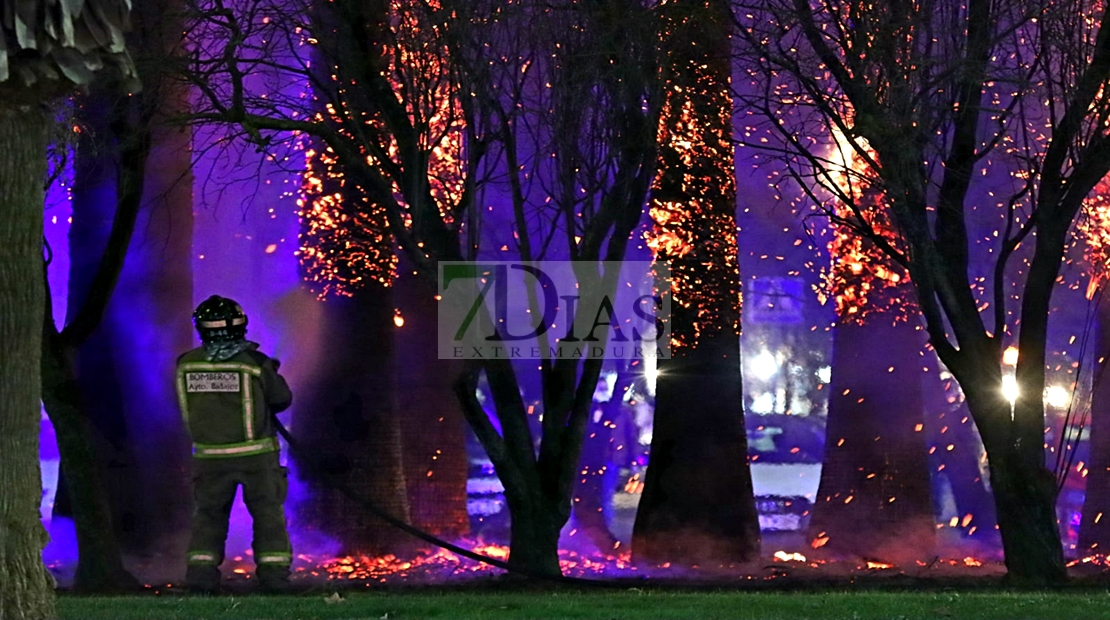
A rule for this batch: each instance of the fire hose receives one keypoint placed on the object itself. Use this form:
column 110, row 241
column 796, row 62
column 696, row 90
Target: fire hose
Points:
column 318, row 467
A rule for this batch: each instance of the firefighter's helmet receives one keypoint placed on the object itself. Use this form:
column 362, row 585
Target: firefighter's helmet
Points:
column 219, row 319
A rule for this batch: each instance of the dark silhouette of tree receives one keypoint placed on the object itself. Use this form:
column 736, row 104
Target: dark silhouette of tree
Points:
column 932, row 90
column 349, row 410
column 46, row 50
column 697, row 506
column 118, row 131
column 875, row 498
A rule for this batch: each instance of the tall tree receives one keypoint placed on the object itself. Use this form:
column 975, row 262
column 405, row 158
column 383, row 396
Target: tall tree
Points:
column 118, row 131
column 578, row 128
column 350, row 411
column 698, row 505
column 348, row 252
column 46, row 51
column 875, row 467
column 84, row 494
column 921, row 86
column 132, row 173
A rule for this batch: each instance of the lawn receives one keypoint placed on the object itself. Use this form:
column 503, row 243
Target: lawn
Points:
column 1084, row 604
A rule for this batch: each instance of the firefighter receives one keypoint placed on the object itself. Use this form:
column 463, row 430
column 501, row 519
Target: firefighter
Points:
column 227, row 391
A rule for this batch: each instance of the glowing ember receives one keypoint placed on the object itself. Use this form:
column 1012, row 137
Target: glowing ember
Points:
column 782, row 556
column 1094, row 228
column 1098, row 559
column 862, row 278
column 346, row 242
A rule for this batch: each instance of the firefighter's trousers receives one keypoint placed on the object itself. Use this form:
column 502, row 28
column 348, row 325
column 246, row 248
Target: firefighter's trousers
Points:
column 265, row 485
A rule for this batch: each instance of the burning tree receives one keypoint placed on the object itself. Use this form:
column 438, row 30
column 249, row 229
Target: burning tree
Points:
column 933, row 89
column 875, row 468
column 697, row 505
column 45, row 51
column 1094, row 532
column 583, row 91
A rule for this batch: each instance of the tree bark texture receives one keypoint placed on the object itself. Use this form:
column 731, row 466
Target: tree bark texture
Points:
column 534, row 532
column 26, row 589
column 432, row 426
column 697, row 506
column 875, row 496
column 1025, row 498
column 348, row 420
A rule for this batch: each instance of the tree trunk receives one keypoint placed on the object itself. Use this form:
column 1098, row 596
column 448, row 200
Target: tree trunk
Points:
column 1025, row 498
column 100, row 393
column 1094, row 531
column 26, row 592
column 697, row 506
column 99, row 567
column 1024, row 492
column 875, row 498
column 538, row 501
column 432, row 426
column 534, row 538
column 122, row 367
column 349, row 422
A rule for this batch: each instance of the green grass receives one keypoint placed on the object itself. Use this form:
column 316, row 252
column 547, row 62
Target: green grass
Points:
column 601, row 605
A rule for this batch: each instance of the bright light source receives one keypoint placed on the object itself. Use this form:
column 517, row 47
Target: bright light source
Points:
column 824, row 374
column 1057, row 396
column 764, row 404
column 764, row 365
column 1010, row 388
column 1010, row 356
column 398, row 320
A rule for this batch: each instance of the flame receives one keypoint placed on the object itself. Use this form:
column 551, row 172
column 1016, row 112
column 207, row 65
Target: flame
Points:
column 878, row 566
